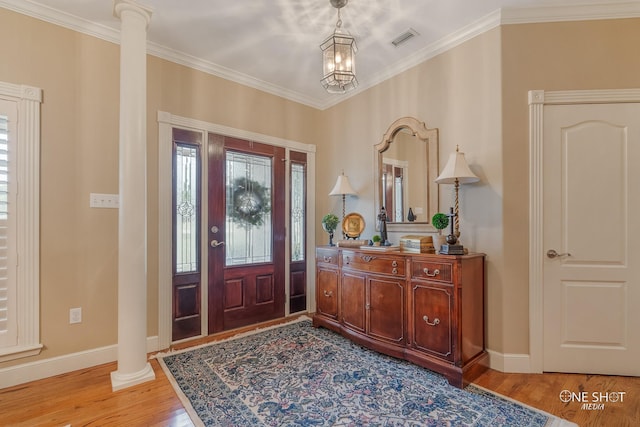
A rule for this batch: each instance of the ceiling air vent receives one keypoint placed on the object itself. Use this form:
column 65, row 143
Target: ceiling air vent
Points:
column 404, row 37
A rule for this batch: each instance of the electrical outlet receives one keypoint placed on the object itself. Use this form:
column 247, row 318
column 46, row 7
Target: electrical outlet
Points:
column 99, row 200
column 75, row 315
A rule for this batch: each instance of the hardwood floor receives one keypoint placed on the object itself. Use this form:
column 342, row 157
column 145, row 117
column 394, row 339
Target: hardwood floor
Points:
column 542, row 391
column 84, row 398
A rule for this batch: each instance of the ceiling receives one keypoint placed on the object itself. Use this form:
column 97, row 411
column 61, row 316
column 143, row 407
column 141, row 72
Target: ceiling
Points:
column 273, row 45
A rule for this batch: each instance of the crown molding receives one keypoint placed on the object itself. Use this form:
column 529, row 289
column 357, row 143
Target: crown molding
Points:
column 488, row 22
column 63, row 19
column 583, row 12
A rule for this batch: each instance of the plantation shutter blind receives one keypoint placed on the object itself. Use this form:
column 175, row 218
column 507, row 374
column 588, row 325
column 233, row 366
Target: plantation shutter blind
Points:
column 8, row 327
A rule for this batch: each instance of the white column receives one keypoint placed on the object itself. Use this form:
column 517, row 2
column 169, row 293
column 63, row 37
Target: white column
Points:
column 133, row 367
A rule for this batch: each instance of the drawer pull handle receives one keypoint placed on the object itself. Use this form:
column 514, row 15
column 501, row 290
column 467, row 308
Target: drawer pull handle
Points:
column 328, row 294
column 394, row 271
column 368, row 258
column 328, row 259
column 434, row 274
column 435, row 322
column 394, row 264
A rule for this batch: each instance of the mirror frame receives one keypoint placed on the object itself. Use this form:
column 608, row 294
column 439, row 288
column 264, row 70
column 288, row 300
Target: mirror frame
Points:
column 430, row 137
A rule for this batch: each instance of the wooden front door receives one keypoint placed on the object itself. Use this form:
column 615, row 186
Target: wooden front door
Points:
column 246, row 229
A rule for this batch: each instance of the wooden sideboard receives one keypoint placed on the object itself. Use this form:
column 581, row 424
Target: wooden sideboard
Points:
column 425, row 308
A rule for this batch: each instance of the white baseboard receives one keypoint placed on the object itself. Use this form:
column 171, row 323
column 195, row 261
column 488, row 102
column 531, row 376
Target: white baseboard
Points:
column 39, row 369
column 509, row 362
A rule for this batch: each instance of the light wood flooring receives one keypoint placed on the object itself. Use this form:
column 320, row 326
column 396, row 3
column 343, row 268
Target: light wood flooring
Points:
column 84, row 398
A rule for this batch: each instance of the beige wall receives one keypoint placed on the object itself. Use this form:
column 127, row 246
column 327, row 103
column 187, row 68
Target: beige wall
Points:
column 457, row 92
column 559, row 56
column 475, row 94
column 79, row 76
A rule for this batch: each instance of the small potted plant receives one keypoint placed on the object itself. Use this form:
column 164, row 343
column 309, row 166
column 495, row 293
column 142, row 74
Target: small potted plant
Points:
column 376, row 240
column 329, row 224
column 440, row 221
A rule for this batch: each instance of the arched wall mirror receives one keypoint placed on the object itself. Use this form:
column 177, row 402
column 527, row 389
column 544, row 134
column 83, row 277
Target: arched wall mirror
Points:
column 407, row 167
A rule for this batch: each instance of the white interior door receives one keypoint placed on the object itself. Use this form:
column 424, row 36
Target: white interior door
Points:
column 591, row 219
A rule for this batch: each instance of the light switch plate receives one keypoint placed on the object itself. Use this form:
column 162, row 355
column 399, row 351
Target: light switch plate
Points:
column 99, row 200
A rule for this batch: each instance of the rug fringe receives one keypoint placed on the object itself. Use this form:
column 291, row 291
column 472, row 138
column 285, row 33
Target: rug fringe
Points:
column 195, row 419
column 553, row 421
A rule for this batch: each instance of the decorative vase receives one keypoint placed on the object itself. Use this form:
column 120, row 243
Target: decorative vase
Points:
column 411, row 216
column 439, row 240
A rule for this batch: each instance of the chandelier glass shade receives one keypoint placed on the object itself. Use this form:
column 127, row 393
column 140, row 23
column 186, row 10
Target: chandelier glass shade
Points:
column 338, row 59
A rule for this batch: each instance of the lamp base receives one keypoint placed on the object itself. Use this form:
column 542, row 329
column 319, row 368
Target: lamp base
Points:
column 447, row 249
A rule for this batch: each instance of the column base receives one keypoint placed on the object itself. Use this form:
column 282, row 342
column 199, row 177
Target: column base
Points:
column 122, row 381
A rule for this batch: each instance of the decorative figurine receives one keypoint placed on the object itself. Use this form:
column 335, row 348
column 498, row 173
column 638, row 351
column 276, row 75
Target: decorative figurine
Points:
column 382, row 221
column 411, row 216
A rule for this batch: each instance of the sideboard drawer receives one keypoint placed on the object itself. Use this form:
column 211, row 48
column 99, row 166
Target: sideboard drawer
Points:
column 431, row 270
column 374, row 263
column 327, row 256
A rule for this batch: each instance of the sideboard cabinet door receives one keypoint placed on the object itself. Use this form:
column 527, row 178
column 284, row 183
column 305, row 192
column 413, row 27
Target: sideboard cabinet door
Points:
column 352, row 299
column 327, row 286
column 327, row 296
column 431, row 312
column 386, row 309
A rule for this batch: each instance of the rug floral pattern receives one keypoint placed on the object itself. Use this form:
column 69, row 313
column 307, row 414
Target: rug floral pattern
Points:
column 297, row 375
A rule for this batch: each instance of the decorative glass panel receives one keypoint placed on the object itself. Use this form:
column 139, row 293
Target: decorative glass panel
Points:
column 186, row 208
column 397, row 192
column 297, row 212
column 248, row 218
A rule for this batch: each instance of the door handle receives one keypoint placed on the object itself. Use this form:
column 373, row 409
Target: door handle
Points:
column 551, row 253
column 215, row 243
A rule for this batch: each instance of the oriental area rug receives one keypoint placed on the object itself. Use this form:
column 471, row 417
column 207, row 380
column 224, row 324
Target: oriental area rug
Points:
column 297, row 375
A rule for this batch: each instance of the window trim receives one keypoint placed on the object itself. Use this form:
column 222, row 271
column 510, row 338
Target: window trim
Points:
column 28, row 100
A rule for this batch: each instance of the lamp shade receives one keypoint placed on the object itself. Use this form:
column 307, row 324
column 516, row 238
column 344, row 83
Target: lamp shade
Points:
column 342, row 187
column 457, row 169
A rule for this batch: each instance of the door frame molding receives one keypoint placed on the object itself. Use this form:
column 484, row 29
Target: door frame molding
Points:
column 537, row 100
column 168, row 121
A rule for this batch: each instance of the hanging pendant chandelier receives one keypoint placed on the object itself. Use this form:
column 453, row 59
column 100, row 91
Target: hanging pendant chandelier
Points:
column 338, row 57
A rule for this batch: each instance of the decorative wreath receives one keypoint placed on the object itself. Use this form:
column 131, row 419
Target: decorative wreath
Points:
column 251, row 201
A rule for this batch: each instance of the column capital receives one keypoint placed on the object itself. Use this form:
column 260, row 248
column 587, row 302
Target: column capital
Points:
column 120, row 6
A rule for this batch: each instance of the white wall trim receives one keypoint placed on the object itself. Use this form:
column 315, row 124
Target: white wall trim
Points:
column 39, row 369
column 509, row 362
column 166, row 122
column 579, row 12
column 27, row 230
column 537, row 100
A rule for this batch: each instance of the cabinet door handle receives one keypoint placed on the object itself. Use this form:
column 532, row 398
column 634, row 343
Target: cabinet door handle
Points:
column 394, row 271
column 434, row 274
column 328, row 259
column 368, row 306
column 328, row 294
column 394, row 264
column 347, row 260
column 435, row 322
